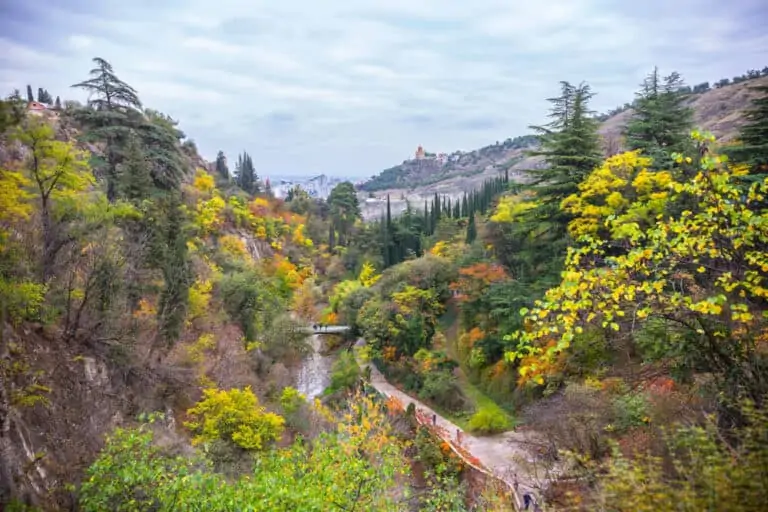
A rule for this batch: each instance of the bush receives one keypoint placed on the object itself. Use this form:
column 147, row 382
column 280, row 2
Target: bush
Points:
column 489, row 420
column 234, row 416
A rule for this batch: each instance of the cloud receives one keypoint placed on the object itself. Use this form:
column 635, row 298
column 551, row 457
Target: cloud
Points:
column 350, row 88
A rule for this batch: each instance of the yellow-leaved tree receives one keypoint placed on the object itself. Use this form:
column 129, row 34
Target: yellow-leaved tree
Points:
column 697, row 272
column 234, row 416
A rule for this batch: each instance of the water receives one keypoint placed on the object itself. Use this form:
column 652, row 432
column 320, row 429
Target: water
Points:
column 315, row 371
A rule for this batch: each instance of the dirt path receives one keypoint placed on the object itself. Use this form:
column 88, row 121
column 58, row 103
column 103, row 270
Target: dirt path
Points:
column 508, row 456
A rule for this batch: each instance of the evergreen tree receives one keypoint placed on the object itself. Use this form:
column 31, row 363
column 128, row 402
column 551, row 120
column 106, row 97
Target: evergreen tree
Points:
column 661, row 123
column 456, row 210
column 134, row 174
column 111, row 101
column 177, row 274
column 221, row 166
column 57, row 103
column 331, row 237
column 110, row 93
column 43, row 96
column 471, row 229
column 245, row 174
column 753, row 136
column 570, row 147
column 389, row 257
column 464, row 206
column 30, row 96
column 344, row 210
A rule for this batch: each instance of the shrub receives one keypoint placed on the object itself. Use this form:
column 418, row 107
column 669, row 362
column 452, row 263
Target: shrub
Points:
column 235, row 416
column 489, row 420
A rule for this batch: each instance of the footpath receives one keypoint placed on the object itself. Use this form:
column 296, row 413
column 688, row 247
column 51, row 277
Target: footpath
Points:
column 508, row 457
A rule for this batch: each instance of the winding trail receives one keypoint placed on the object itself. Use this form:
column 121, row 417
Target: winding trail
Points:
column 508, row 456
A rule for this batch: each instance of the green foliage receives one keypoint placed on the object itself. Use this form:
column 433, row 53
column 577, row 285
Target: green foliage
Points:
column 440, row 387
column 22, row 300
column 250, row 300
column 631, row 410
column 752, row 148
column 234, row 416
column 358, row 465
column 344, row 210
column 489, row 420
column 345, row 372
column 130, row 474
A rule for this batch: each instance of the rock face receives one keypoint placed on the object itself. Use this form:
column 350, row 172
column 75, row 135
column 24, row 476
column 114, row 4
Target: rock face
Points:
column 718, row 110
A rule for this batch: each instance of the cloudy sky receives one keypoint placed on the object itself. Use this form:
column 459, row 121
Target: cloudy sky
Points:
column 349, row 87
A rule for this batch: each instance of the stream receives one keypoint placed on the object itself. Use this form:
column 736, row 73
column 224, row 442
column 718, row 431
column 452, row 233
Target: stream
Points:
column 314, row 373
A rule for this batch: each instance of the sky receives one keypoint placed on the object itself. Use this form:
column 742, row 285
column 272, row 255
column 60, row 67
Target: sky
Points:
column 351, row 87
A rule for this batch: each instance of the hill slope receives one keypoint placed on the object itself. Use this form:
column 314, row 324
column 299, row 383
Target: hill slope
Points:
column 718, row 110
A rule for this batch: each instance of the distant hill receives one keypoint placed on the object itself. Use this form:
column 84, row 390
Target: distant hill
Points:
column 432, row 168
column 718, row 110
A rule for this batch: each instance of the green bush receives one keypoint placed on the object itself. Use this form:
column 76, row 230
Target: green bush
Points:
column 489, row 420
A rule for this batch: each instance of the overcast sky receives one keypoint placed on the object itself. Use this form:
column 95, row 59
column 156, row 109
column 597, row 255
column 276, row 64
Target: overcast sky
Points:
column 349, row 87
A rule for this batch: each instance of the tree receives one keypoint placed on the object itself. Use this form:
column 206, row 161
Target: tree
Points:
column 753, row 135
column 111, row 101
column 569, row 145
column 43, row 96
column 690, row 273
column 60, row 175
column 221, row 165
column 107, row 91
column 234, row 416
column 571, row 149
column 471, row 229
column 661, row 122
column 245, row 174
column 57, row 103
column 30, row 95
column 344, row 209
column 135, row 176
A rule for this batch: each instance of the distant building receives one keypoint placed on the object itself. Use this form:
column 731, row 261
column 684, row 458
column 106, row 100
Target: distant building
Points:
column 420, row 153
column 37, row 108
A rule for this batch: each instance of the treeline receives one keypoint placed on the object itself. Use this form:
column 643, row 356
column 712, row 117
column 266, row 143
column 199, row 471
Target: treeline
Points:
column 402, row 237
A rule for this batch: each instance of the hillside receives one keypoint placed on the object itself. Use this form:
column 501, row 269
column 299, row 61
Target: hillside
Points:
column 717, row 110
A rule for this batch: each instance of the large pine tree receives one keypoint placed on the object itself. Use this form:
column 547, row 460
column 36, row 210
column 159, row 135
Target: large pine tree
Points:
column 570, row 147
column 661, row 122
column 111, row 101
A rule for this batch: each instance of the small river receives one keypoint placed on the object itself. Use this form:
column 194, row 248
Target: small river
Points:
column 315, row 370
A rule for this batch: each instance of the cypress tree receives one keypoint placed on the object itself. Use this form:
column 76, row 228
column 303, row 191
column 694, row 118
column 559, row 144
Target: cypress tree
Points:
column 221, row 166
column 471, row 229
column 57, row 103
column 456, row 210
column 464, row 206
column 30, row 96
column 331, row 237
